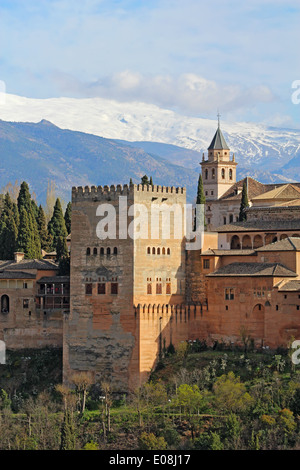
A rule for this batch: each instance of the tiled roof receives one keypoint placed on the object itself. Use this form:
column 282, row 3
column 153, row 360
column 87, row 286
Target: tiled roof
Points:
column 61, row 279
column 288, row 244
column 39, row 264
column 16, row 275
column 254, row 269
column 287, row 191
column 255, row 188
column 290, row 286
column 260, row 225
column 217, row 252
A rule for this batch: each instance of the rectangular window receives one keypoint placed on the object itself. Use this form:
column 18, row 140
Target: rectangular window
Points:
column 101, row 288
column 158, row 289
column 168, row 288
column 149, row 289
column 25, row 303
column 25, row 285
column 114, row 288
column 206, row 264
column 89, row 289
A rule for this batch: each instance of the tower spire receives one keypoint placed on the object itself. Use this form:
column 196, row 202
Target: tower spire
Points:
column 219, row 115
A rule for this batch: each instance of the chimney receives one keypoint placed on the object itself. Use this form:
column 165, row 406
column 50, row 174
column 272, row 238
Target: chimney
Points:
column 19, row 256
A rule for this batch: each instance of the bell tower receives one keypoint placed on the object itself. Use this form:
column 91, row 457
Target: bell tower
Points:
column 218, row 171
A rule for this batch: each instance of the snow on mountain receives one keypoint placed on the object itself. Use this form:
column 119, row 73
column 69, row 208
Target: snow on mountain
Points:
column 256, row 146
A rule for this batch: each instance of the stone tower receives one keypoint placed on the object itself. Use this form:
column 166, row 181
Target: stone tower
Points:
column 122, row 286
column 218, row 171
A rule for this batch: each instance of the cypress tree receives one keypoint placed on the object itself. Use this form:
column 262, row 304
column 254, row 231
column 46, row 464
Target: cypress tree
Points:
column 45, row 237
column 29, row 242
column 151, row 181
column 63, row 257
column 200, row 192
column 57, row 225
column 68, row 437
column 200, row 199
column 68, row 214
column 8, row 229
column 24, row 236
column 244, row 204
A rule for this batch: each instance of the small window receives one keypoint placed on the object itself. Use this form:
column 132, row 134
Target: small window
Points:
column 224, row 220
column 211, row 193
column 114, row 288
column 226, row 294
column 285, row 296
column 158, row 251
column 208, row 220
column 153, row 251
column 108, row 251
column 231, row 294
column 168, row 251
column 298, row 307
column 206, row 264
column 95, row 251
column 101, row 288
column 213, row 173
column 89, row 289
column 158, row 288
column 163, row 251
column 206, row 193
column 206, row 174
column 25, row 285
column 277, row 308
column 101, row 251
column 88, row 251
column 149, row 289
column 149, row 250
column 168, row 288
column 230, row 174
column 115, row 250
column 226, row 307
column 230, row 218
column 25, row 303
column 223, row 174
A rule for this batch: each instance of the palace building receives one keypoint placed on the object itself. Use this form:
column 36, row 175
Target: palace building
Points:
column 129, row 297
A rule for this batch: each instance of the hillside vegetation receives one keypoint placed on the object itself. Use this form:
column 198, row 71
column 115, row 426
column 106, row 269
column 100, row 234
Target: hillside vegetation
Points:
column 196, row 398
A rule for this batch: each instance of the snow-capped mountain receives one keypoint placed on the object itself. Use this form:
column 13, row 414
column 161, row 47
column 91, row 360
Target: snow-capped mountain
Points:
column 256, row 146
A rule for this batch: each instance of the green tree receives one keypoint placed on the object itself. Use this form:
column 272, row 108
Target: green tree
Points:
column 45, row 237
column 145, row 180
column 57, row 225
column 67, row 217
column 62, row 256
column 148, row 441
column 230, row 394
column 68, row 435
column 244, row 204
column 8, row 228
column 29, row 242
column 200, row 199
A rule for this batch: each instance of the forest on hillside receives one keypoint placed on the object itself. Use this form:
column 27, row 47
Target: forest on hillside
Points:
column 197, row 398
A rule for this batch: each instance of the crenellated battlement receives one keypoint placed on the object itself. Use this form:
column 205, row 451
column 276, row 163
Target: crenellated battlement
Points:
column 105, row 192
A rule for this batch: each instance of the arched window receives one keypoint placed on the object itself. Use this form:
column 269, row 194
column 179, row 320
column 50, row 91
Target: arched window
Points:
column 223, row 173
column 164, row 251
column 148, row 250
column 158, row 251
column 168, row 251
column 206, row 174
column 213, row 173
column 115, row 250
column 95, row 251
column 230, row 174
column 102, row 251
column 153, row 251
column 235, row 243
column 246, row 242
column 88, row 251
column 108, row 251
column 5, row 304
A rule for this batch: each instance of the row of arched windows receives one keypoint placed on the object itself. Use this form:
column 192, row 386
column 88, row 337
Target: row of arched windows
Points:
column 102, row 251
column 223, row 173
column 158, row 251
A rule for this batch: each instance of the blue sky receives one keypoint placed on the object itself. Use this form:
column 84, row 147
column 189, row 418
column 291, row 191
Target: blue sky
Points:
column 193, row 56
